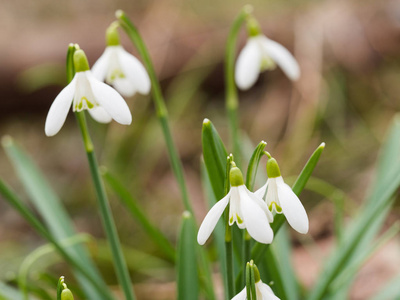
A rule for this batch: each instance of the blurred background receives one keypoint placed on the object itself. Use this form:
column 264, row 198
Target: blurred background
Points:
column 347, row 96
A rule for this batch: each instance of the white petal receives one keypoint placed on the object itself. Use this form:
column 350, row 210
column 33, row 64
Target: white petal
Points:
column 261, row 191
column 248, row 65
column 292, row 208
column 255, row 219
column 241, row 296
column 100, row 115
column 59, row 109
column 266, row 291
column 124, row 87
column 211, row 219
column 110, row 100
column 134, row 71
column 283, row 58
column 263, row 206
column 100, row 67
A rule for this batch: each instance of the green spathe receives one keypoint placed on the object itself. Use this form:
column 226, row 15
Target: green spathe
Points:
column 236, row 177
column 66, row 294
column 80, row 61
column 273, row 170
column 112, row 35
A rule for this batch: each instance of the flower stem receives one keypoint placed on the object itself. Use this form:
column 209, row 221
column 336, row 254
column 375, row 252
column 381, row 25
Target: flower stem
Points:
column 105, row 210
column 228, row 236
column 159, row 102
column 231, row 95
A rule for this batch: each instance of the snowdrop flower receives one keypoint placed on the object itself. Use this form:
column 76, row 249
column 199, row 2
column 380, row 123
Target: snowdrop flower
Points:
column 261, row 54
column 86, row 92
column 280, row 198
column 246, row 209
column 263, row 291
column 121, row 69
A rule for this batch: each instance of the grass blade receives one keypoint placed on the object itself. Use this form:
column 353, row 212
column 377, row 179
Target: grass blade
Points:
column 53, row 213
column 125, row 196
column 187, row 279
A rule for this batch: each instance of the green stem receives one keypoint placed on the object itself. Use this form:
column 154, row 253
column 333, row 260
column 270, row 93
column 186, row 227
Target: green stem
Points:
column 231, row 95
column 106, row 215
column 247, row 250
column 12, row 198
column 159, row 102
column 228, row 236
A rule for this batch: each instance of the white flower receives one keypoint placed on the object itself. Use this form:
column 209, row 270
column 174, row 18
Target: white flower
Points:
column 263, row 292
column 122, row 70
column 246, row 209
column 260, row 54
column 280, row 198
column 86, row 92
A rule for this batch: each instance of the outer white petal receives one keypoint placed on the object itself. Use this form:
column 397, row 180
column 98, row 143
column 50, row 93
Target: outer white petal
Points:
column 59, row 109
column 134, row 71
column 248, row 65
column 241, row 296
column 283, row 58
column 211, row 219
column 292, row 208
column 110, row 100
column 263, row 206
column 100, row 115
column 261, row 191
column 255, row 219
column 124, row 86
column 266, row 291
column 100, row 67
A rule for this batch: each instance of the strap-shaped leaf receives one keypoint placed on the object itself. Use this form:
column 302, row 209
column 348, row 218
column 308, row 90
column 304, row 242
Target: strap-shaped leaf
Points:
column 188, row 285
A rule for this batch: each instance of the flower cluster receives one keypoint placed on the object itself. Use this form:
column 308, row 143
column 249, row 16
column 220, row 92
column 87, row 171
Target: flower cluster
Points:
column 248, row 210
column 87, row 91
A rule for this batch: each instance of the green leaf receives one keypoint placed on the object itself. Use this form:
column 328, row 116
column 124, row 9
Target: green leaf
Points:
column 219, row 232
column 281, row 248
column 187, row 281
column 367, row 224
column 390, row 291
column 215, row 155
column 53, row 213
column 11, row 197
column 9, row 293
column 137, row 212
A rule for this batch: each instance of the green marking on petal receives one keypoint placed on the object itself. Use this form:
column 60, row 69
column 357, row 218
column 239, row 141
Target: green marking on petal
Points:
column 273, row 204
column 231, row 220
column 239, row 220
column 267, row 64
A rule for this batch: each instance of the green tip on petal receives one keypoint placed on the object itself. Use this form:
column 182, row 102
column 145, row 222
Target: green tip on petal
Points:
column 66, row 294
column 112, row 35
column 80, row 61
column 253, row 27
column 236, row 177
column 273, row 170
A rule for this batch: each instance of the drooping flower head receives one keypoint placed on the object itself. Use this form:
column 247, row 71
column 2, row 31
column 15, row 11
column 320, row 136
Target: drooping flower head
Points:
column 119, row 68
column 281, row 199
column 260, row 54
column 245, row 209
column 263, row 291
column 86, row 92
